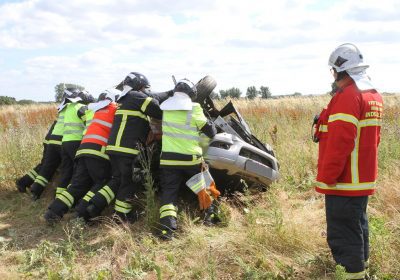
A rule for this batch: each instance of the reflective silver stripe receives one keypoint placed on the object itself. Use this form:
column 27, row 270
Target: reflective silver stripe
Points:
column 370, row 122
column 343, row 117
column 107, row 124
column 74, row 124
column 72, row 131
column 348, row 187
column 189, row 117
column 94, row 136
column 179, row 126
column 184, row 136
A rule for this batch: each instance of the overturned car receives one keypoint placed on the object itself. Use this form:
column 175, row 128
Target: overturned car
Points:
column 235, row 155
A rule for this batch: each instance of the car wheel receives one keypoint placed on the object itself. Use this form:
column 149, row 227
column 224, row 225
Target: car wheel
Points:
column 204, row 88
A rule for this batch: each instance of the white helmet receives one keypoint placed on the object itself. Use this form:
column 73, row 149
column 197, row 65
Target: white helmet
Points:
column 345, row 57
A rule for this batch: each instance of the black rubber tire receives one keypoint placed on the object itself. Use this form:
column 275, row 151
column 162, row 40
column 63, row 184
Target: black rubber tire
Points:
column 204, row 88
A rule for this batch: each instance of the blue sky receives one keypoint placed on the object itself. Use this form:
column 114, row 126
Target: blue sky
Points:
column 281, row 44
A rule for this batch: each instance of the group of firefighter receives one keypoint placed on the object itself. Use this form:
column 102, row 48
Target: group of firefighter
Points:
column 98, row 144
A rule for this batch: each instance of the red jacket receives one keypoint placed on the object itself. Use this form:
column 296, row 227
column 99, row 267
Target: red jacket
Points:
column 94, row 141
column 349, row 132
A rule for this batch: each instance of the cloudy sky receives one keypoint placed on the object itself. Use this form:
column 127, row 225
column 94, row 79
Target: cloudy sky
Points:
column 281, row 44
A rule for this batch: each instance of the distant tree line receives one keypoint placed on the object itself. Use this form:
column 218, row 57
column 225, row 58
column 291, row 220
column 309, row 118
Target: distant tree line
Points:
column 251, row 93
column 235, row 93
column 7, row 100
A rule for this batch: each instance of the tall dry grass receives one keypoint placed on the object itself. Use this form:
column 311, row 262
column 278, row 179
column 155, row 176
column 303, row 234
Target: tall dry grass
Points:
column 279, row 234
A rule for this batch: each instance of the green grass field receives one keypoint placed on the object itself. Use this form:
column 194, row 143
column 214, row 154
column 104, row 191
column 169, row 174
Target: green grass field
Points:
column 278, row 234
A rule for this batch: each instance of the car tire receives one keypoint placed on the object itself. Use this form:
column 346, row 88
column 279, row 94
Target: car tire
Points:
column 204, row 88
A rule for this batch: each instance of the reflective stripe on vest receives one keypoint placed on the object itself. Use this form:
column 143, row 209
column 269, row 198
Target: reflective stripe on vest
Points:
column 73, row 125
column 180, row 162
column 179, row 126
column 355, row 177
column 94, row 136
column 181, row 136
column 99, row 130
column 58, row 128
column 125, row 114
column 88, row 117
column 107, row 124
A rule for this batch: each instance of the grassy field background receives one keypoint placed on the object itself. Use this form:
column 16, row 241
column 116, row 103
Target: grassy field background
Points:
column 278, row 234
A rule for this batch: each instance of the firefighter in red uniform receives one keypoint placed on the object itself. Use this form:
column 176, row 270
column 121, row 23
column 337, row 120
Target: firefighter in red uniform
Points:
column 348, row 131
column 93, row 167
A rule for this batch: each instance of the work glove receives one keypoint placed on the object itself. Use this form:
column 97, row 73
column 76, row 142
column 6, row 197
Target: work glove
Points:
column 36, row 191
column 213, row 190
column 197, row 184
column 205, row 199
column 209, row 181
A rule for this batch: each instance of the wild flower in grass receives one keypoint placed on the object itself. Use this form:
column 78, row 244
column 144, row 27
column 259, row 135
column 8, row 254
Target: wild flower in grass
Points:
column 146, row 158
column 273, row 133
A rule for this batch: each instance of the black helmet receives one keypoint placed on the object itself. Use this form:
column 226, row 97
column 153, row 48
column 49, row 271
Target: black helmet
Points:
column 135, row 80
column 187, row 87
column 102, row 96
column 86, row 97
column 71, row 92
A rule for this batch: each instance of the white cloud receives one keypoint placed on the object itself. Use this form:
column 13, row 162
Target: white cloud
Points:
column 280, row 44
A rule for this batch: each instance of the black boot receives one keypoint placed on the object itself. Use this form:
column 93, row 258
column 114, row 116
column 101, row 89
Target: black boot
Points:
column 130, row 217
column 93, row 211
column 81, row 210
column 168, row 226
column 23, row 183
column 211, row 217
column 36, row 191
column 51, row 217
